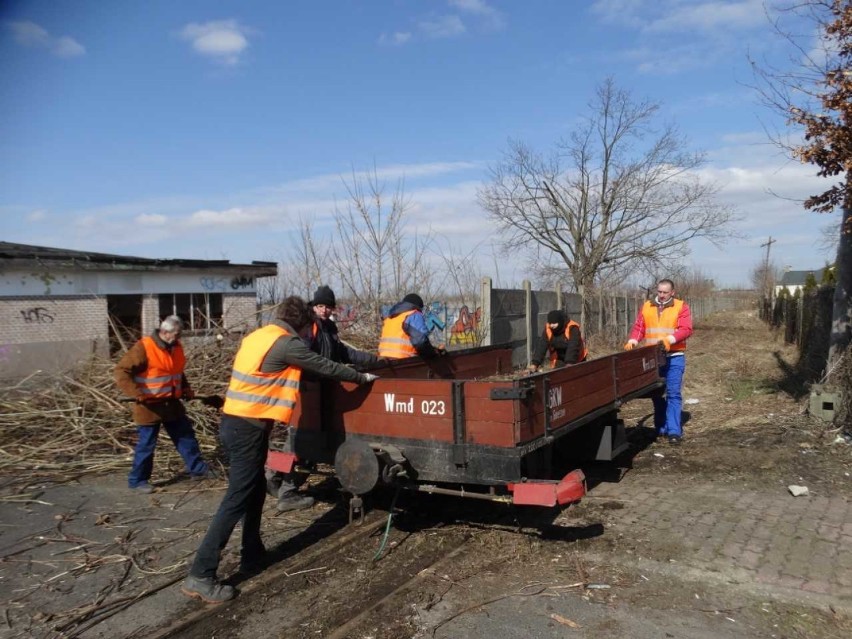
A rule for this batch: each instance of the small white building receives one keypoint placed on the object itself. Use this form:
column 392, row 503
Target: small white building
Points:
column 795, row 280
column 58, row 306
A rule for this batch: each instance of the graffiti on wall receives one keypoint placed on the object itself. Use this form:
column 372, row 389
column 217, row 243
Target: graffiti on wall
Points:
column 223, row 284
column 242, row 281
column 455, row 326
column 36, row 315
column 465, row 329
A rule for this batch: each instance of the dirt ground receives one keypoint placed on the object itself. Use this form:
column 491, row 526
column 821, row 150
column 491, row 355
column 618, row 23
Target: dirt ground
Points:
column 637, row 558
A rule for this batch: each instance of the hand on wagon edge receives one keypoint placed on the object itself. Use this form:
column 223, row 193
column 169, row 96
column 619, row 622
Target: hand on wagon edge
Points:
column 532, row 368
column 369, row 378
column 630, row 345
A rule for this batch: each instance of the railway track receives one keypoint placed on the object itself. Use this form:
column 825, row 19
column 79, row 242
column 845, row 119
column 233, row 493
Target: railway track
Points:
column 336, row 588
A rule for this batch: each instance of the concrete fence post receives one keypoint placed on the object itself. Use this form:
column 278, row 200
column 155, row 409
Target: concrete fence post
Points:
column 486, row 321
column 530, row 321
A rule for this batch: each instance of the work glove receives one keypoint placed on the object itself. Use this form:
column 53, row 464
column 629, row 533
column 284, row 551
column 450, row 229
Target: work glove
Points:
column 532, row 368
column 369, row 378
column 630, row 345
column 441, row 349
column 666, row 344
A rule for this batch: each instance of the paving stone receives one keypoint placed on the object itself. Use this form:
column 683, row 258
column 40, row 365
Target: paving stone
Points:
column 797, row 545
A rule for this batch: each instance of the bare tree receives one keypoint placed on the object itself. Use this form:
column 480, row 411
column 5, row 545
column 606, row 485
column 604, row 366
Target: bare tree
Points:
column 814, row 94
column 373, row 257
column 764, row 277
column 829, row 238
column 618, row 191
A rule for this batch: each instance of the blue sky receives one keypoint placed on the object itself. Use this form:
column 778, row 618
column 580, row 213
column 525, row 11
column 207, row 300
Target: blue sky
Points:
column 204, row 129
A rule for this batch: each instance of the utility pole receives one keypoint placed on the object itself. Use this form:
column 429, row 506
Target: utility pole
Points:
column 768, row 244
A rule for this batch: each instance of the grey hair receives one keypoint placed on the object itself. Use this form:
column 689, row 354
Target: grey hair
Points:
column 171, row 324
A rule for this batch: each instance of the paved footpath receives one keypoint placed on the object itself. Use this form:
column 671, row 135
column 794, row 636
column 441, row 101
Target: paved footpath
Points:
column 764, row 540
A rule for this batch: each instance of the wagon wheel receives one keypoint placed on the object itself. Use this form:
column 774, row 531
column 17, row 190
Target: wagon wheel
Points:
column 356, row 466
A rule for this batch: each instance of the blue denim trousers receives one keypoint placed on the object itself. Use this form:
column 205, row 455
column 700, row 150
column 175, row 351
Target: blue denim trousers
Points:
column 182, row 435
column 246, row 446
column 667, row 409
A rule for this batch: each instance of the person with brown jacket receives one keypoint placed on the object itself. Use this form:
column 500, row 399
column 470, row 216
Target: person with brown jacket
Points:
column 152, row 373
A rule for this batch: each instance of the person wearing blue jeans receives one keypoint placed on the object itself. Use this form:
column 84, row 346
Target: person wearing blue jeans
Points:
column 666, row 321
column 151, row 373
column 667, row 408
column 181, row 433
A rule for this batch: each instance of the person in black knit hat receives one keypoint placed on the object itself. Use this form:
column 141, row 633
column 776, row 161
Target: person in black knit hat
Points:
column 404, row 332
column 325, row 341
column 563, row 341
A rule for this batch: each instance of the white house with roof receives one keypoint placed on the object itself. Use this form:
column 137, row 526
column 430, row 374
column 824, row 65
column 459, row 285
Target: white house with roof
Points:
column 59, row 306
column 795, row 280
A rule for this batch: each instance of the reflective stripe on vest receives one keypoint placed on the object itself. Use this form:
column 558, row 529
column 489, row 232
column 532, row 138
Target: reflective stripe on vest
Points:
column 395, row 343
column 163, row 377
column 659, row 325
column 258, row 395
column 584, row 353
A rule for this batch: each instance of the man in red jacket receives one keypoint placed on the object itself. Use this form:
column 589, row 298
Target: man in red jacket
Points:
column 668, row 321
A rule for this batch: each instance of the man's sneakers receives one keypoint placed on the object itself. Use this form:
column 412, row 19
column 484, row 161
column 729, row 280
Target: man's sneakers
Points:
column 674, row 440
column 208, row 589
column 143, row 489
column 292, row 501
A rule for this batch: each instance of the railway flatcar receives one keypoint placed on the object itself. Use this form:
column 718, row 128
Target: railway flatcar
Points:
column 466, row 424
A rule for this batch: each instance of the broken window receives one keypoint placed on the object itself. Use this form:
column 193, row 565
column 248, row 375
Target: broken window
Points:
column 199, row 311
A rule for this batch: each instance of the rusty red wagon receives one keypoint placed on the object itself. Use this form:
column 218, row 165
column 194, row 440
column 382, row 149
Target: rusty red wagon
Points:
column 462, row 424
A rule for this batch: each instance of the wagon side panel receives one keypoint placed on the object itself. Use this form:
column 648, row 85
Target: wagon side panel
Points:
column 489, row 422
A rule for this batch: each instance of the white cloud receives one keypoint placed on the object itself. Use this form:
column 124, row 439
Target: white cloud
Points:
column 677, row 16
column 478, row 14
column 37, row 215
column 223, row 41
column 397, row 38
column 151, row 219
column 442, row 27
column 30, row 34
column 489, row 16
column 230, row 218
column 709, row 16
column 672, row 36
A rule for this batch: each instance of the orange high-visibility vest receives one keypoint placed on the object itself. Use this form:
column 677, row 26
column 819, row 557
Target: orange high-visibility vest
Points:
column 258, row 395
column 584, row 353
column 659, row 326
column 395, row 342
column 163, row 377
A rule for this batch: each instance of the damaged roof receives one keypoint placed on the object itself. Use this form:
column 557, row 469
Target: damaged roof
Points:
column 26, row 256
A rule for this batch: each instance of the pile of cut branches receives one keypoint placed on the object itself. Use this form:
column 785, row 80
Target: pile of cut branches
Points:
column 57, row 427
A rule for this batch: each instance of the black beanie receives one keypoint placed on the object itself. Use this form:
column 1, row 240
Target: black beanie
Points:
column 415, row 299
column 324, row 295
column 556, row 317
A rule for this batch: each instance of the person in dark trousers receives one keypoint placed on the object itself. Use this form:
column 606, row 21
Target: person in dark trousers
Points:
column 404, row 332
column 324, row 341
column 152, row 373
column 264, row 388
column 562, row 340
